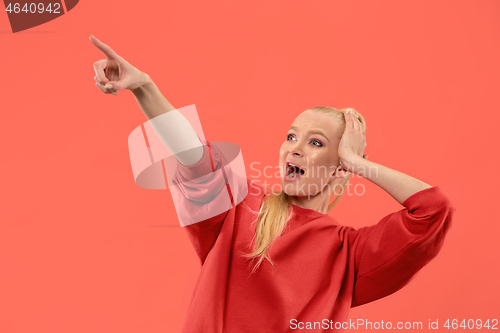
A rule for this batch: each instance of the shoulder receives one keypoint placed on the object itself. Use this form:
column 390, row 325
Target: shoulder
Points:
column 256, row 189
column 254, row 197
column 346, row 234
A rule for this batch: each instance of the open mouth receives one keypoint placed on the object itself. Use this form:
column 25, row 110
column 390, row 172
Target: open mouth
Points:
column 293, row 171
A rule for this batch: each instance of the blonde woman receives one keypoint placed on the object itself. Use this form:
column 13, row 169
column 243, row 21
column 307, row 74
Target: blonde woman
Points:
column 277, row 261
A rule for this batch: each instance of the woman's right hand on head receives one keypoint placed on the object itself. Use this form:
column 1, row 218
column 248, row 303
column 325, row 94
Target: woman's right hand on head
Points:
column 115, row 73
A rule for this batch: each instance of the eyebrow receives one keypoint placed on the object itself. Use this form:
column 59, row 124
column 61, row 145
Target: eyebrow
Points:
column 311, row 132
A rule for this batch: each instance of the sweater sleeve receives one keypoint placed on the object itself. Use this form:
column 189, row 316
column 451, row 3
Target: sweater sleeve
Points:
column 204, row 192
column 389, row 254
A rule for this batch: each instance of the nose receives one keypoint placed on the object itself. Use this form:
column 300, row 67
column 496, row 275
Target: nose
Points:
column 296, row 150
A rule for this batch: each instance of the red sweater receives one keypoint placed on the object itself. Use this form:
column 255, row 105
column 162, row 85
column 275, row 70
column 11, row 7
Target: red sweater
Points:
column 321, row 268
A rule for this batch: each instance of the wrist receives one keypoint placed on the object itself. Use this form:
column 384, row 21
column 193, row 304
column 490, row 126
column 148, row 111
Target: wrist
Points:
column 144, row 83
column 357, row 165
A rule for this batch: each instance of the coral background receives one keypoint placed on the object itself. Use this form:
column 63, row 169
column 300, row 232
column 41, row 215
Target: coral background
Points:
column 84, row 249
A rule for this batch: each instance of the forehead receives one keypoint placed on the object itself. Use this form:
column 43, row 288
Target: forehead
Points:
column 310, row 120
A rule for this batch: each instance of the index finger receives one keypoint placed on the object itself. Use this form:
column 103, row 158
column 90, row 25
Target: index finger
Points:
column 99, row 67
column 107, row 50
column 348, row 120
column 356, row 121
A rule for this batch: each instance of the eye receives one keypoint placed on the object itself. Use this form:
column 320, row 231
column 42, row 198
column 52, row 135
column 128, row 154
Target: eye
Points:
column 319, row 144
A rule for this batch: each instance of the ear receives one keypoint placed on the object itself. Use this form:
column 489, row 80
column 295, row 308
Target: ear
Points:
column 341, row 173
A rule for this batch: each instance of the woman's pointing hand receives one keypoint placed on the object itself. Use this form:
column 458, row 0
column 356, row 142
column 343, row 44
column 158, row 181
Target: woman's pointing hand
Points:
column 115, row 73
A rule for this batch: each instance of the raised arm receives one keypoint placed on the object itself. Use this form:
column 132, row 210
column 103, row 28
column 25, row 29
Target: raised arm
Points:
column 172, row 128
column 150, row 99
column 206, row 179
column 387, row 256
column 115, row 73
column 399, row 185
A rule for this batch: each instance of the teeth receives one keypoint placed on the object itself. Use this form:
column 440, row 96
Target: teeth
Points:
column 299, row 170
column 291, row 171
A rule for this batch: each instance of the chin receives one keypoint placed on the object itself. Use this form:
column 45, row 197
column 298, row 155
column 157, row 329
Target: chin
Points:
column 289, row 188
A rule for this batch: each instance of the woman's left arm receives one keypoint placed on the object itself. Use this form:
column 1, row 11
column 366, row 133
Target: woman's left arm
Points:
column 386, row 256
column 399, row 185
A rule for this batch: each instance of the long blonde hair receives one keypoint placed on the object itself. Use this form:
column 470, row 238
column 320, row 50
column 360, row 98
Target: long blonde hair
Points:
column 276, row 208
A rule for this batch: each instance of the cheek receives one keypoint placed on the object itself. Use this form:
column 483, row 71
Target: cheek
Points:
column 283, row 150
column 332, row 158
column 324, row 165
column 282, row 156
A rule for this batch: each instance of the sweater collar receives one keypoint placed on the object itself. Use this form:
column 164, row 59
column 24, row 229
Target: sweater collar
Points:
column 305, row 211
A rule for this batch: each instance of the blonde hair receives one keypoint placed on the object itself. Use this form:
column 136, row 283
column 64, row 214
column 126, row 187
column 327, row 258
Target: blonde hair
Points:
column 276, row 208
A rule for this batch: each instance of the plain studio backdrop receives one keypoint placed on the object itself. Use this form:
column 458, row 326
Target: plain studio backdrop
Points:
column 84, row 249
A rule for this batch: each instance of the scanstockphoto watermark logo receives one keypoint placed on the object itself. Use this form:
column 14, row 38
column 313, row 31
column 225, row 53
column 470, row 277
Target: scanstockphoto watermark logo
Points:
column 24, row 15
column 314, row 181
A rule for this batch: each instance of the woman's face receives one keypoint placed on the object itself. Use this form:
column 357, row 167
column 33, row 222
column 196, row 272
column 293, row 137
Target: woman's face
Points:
column 312, row 144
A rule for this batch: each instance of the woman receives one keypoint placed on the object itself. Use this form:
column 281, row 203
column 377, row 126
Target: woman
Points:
column 278, row 262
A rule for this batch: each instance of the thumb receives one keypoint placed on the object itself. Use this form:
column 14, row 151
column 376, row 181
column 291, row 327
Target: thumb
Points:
column 114, row 85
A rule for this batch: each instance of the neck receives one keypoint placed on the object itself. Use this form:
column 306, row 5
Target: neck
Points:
column 318, row 202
